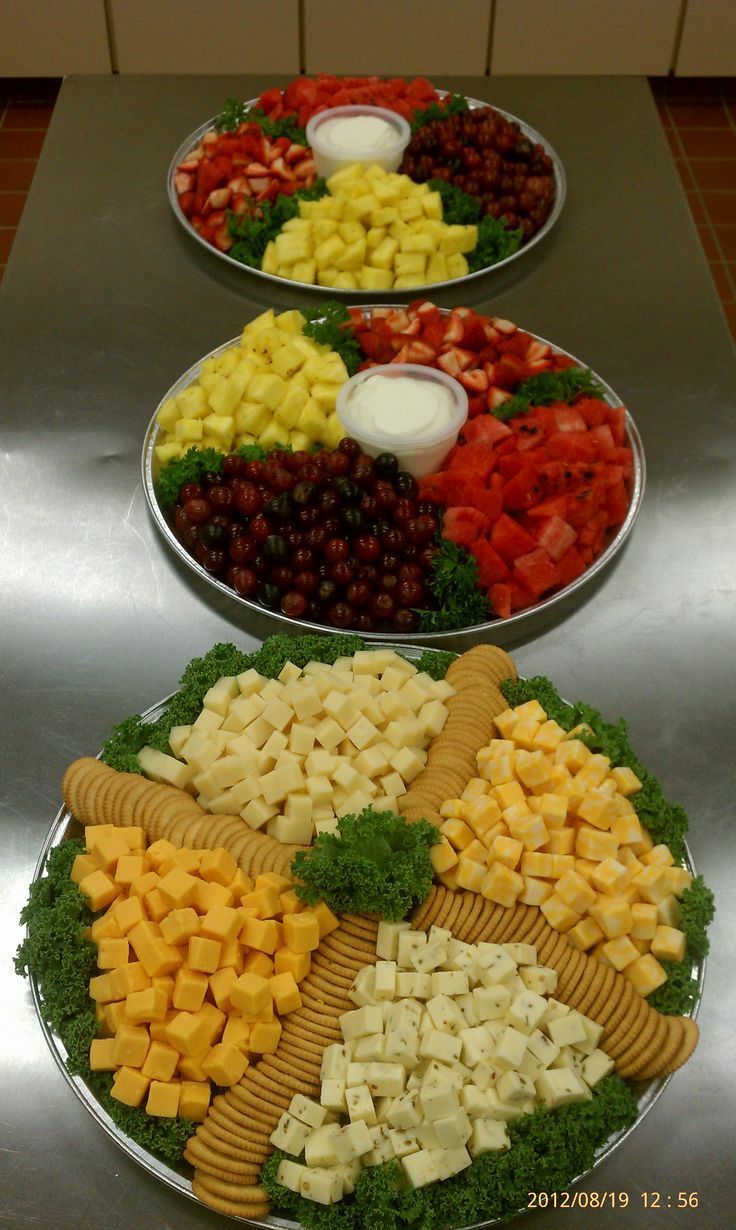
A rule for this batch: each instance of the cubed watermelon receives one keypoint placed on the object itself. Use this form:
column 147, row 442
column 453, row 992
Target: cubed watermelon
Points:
column 491, row 567
column 555, row 535
column 536, row 571
column 510, row 539
column 464, row 525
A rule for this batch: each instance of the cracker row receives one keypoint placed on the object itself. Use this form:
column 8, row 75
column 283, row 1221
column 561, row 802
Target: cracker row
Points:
column 232, row 1143
column 633, row 1032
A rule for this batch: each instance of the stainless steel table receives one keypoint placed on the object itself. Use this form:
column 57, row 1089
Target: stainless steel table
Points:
column 104, row 303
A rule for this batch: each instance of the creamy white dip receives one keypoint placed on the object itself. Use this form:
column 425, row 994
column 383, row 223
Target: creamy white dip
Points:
column 402, row 405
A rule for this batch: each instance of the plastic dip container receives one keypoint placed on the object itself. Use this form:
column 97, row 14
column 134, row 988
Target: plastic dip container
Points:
column 341, row 136
column 422, row 434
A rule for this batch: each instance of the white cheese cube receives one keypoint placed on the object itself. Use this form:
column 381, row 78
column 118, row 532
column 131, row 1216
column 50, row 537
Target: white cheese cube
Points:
column 276, row 785
column 332, row 1095
column 530, row 1065
column 275, row 745
column 527, row 1011
column 199, row 751
column 249, row 682
column 402, row 1046
column 162, row 768
column 329, row 734
column 306, row 702
column 407, row 763
column 363, row 1021
column 593, row 1033
column 441, row 1046
column 569, row 1057
column 301, row 739
column 488, row 1135
column 438, row 1101
column 452, row 982
column 258, row 732
column 362, row 733
column 325, row 824
column 319, row 790
column 506, row 1112
column 369, row 1049
column 445, row 1014
column 515, row 1087
column 306, row 1110
column 384, row 983
column 352, row 1141
column 370, row 661
column 427, row 1136
column 433, row 715
column 290, row 1174
column 271, row 688
column 178, row 736
column 539, row 978
column 290, row 1134
column 477, row 1045
column 361, row 991
column 387, row 942
column 258, row 812
column 466, row 1004
column 414, row 693
column 453, row 1130
column 403, row 1143
column 561, row 1087
column 495, row 964
column 290, row 830
column 596, row 1066
column 405, row 1111
column 510, row 1048
column 350, row 1172
column 522, row 954
column 568, row 1030
column 484, row 1075
column 555, row 1009
column 450, row 1161
column 492, row 1003
column 385, row 1080
column 409, row 943
column 440, row 933
column 392, row 784
column 474, row 1101
column 542, row 1048
column 429, row 957
column 322, row 1186
column 289, row 671
column 420, row 1169
column 337, row 705
column 413, row 985
column 218, row 697
column 206, row 721
column 442, row 689
column 371, row 761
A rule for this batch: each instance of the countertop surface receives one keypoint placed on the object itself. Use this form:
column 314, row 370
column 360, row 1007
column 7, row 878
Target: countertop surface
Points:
column 105, row 302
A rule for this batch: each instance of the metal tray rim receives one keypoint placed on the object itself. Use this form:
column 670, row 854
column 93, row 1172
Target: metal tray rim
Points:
column 561, row 192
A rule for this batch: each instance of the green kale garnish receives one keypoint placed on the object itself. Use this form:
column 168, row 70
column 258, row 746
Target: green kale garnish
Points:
column 548, row 1150
column 331, row 325
column 253, row 232
column 196, row 462
column 666, row 823
column 453, row 584
column 496, row 241
column 60, row 958
column 452, row 104
column 234, row 113
column 375, row 863
column 548, row 387
column 435, row 662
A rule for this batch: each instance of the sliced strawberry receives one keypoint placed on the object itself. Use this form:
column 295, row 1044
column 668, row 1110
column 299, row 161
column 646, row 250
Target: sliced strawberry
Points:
column 256, row 169
column 448, row 362
column 295, row 152
column 419, row 352
column 279, row 167
column 474, row 335
column 219, row 198
column 186, row 203
column 398, row 321
column 433, row 331
column 538, row 350
column 223, row 240
column 496, row 398
column 503, row 326
column 260, row 184
column 184, row 182
column 453, row 330
column 476, row 381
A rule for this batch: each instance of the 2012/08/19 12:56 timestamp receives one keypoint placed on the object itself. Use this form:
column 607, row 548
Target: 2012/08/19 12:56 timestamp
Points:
column 612, row 1200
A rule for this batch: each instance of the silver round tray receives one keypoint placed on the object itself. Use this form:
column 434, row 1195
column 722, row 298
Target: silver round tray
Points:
column 536, row 138
column 502, row 630
column 65, row 826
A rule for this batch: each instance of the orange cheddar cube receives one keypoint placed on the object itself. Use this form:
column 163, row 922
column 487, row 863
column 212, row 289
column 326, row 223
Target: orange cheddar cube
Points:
column 470, row 873
column 534, row 863
column 558, row 913
column 159, row 959
column 83, row 865
column 100, row 989
column 506, row 850
column 285, row 993
column 265, row 901
column 215, row 1019
column 99, row 888
column 203, row 954
column 190, row 988
column 326, row 920
column 218, row 866
column 530, row 710
column 240, row 885
column 111, row 953
column 620, row 952
column 265, row 934
column 301, row 931
column 585, row 934
column 131, row 1045
column 225, row 1064
column 189, row 1033
column 179, row 887
column 644, row 920
column 221, row 923
column 442, row 856
column 210, row 894
column 185, row 859
column 595, row 845
column 158, row 851
column 129, row 1086
column 93, row 831
column 289, row 903
column 128, row 912
column 190, row 1066
column 147, row 882
column 102, row 1055
column 157, row 1029
column 668, row 912
column 668, row 944
column 576, row 892
column 130, row 867
column 259, row 963
column 250, row 993
column 127, row 978
column 237, row 1033
column 148, row 1005
column 161, row 1061
column 457, row 833
column 164, row 983
column 505, row 722
column 113, row 1016
column 561, row 841
column 610, row 877
column 157, row 905
column 180, row 925
column 106, row 927
column 264, row 1037
column 194, row 1100
column 613, row 915
column 135, row 837
column 502, row 885
column 231, row 955
column 107, row 848
column 296, row 963
column 221, row 984
column 163, row 1099
column 281, row 883
column 645, row 974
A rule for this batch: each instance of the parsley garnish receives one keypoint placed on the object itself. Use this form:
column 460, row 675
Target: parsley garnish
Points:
column 332, row 326
column 234, row 113
column 495, row 243
column 454, row 104
column 548, row 387
column 253, row 232
column 195, row 463
column 454, row 585
column 457, row 207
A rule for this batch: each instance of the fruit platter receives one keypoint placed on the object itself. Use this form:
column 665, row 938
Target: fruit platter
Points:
column 415, row 188
column 344, row 934
column 254, row 482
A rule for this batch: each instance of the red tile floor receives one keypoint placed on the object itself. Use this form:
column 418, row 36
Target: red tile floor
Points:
column 698, row 115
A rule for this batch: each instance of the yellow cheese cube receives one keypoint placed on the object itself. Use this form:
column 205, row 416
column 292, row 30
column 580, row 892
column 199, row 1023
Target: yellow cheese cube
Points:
column 296, row 963
column 668, row 944
column 620, row 952
column 264, row 900
column 225, row 1064
column 576, row 892
column 156, row 905
column 161, row 1061
column 190, row 1066
column 529, row 830
column 179, row 887
column 218, row 866
column 645, row 974
column 326, row 920
column 112, row 952
column 558, row 913
column 502, row 885
column 131, row 1045
column 203, row 954
column 301, row 932
column 189, row 1032
column 658, row 856
column 102, row 1055
column 130, row 867
column 676, row 880
column 506, row 850
column 613, row 915
column 627, row 828
column 163, row 1099
column 250, row 993
column 127, row 978
column 561, row 841
column 651, row 884
column 100, row 989
column 644, row 920
column 595, row 845
column 190, row 988
column 194, row 1100
column 221, row 984
column 610, row 877
column 532, row 768
column 148, row 1005
column 99, row 888
column 553, row 810
column 264, row 1037
column 535, row 891
column 596, row 809
column 237, row 1033
column 106, row 927
column 285, row 993
column 457, row 833
column 83, row 865
column 537, row 864
column 264, row 934
column 585, row 934
column 626, row 780
column 129, row 1086
column 470, row 873
column 259, row 963
column 507, row 794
